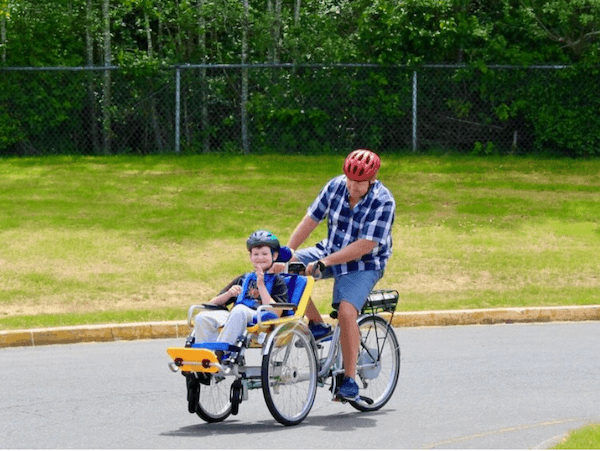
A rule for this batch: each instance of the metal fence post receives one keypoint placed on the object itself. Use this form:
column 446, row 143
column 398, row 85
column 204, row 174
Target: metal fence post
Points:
column 177, row 108
column 414, row 112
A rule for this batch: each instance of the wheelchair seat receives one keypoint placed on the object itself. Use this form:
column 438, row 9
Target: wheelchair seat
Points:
column 298, row 296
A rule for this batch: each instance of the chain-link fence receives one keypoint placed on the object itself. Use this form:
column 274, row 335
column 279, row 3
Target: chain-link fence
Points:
column 289, row 109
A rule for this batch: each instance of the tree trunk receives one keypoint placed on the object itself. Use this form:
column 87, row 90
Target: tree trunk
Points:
column 297, row 6
column 106, row 91
column 3, row 33
column 275, row 12
column 92, row 108
column 244, row 112
column 153, row 114
column 203, row 82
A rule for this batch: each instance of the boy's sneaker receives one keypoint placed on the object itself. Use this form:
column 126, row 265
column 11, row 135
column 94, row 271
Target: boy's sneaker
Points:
column 193, row 389
column 319, row 330
column 348, row 390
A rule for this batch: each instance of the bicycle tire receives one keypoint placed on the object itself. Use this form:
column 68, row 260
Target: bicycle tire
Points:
column 289, row 375
column 378, row 366
column 214, row 403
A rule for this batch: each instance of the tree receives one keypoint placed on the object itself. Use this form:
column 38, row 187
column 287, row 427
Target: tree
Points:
column 573, row 24
column 4, row 14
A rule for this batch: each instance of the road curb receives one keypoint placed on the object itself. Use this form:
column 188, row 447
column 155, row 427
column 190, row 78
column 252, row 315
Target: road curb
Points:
column 93, row 333
column 180, row 329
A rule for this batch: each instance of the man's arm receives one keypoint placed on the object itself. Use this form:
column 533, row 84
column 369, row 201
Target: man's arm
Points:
column 302, row 232
column 353, row 251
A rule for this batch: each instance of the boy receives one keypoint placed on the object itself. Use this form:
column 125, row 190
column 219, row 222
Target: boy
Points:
column 248, row 291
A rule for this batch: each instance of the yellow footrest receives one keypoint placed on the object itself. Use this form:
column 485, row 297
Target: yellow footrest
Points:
column 194, row 359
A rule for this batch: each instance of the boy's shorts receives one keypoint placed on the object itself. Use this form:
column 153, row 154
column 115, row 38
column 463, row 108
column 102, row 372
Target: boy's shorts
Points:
column 353, row 287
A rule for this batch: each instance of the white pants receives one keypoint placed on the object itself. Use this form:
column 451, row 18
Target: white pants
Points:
column 208, row 323
column 234, row 324
column 239, row 317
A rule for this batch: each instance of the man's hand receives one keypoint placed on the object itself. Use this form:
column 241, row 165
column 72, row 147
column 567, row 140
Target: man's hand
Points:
column 315, row 269
column 278, row 267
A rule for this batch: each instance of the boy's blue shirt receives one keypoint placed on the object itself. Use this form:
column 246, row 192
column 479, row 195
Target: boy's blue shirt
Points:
column 250, row 296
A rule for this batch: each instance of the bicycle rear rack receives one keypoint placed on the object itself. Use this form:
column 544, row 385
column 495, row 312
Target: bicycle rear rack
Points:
column 381, row 301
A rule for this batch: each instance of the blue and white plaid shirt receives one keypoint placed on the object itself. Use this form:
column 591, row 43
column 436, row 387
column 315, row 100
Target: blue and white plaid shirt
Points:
column 371, row 219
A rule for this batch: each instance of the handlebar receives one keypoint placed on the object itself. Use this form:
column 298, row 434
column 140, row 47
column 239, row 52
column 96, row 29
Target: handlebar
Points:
column 299, row 268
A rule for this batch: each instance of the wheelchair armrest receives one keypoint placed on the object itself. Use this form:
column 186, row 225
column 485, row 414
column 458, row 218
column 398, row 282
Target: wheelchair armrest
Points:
column 283, row 305
column 214, row 307
column 193, row 308
column 277, row 305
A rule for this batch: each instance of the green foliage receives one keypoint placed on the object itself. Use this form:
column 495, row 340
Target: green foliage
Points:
column 149, row 35
column 45, row 33
column 574, row 25
column 566, row 120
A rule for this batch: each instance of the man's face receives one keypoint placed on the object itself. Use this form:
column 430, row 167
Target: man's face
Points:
column 357, row 189
column 261, row 257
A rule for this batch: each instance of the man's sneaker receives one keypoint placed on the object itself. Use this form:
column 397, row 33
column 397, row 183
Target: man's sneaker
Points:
column 348, row 390
column 319, row 330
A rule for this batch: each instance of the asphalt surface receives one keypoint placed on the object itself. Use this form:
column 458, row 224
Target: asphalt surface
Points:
column 502, row 386
column 180, row 329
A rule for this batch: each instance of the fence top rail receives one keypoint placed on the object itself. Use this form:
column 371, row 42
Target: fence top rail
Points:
column 284, row 65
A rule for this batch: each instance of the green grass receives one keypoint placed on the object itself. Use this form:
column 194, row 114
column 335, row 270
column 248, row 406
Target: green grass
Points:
column 585, row 438
column 119, row 239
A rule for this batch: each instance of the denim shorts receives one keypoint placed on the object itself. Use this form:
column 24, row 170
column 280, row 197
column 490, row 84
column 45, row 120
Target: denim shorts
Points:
column 353, row 287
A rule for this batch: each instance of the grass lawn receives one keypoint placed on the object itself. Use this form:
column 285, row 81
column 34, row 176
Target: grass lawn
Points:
column 585, row 438
column 114, row 239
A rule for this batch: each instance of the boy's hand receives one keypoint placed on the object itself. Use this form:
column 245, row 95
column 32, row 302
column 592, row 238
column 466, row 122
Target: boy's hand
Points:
column 260, row 275
column 235, row 290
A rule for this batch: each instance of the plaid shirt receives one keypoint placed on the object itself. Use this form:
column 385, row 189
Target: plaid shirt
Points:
column 371, row 219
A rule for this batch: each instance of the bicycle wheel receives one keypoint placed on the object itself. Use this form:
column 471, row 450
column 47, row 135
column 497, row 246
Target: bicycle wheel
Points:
column 378, row 365
column 214, row 402
column 289, row 374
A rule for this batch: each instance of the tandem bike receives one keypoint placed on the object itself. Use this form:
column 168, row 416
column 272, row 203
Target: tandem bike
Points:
column 293, row 364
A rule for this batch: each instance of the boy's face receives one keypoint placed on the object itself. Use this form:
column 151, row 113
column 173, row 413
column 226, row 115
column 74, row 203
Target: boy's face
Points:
column 262, row 257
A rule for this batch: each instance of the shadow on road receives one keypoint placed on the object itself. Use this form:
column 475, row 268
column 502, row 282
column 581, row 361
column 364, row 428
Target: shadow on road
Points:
column 342, row 422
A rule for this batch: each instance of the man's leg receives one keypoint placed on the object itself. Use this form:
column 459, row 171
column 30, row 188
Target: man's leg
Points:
column 349, row 338
column 350, row 292
column 312, row 313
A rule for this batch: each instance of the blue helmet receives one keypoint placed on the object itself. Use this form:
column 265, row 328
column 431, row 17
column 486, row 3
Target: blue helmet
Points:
column 263, row 238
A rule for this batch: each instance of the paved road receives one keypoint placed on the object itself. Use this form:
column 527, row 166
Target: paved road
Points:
column 499, row 386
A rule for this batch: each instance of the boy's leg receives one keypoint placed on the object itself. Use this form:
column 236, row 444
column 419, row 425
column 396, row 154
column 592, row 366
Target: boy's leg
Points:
column 207, row 324
column 238, row 319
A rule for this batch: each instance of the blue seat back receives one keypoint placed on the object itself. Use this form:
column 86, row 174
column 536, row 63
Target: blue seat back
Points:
column 295, row 285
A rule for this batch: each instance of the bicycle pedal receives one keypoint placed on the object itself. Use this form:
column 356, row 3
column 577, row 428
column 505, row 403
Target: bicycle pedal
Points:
column 369, row 401
column 345, row 400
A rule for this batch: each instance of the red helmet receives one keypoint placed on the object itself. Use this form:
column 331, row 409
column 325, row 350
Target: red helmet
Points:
column 361, row 165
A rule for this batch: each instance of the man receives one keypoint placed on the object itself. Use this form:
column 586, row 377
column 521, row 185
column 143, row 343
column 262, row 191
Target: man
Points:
column 360, row 213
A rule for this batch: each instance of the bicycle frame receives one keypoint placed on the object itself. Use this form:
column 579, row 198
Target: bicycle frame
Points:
column 335, row 348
